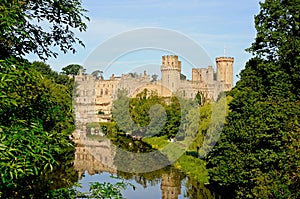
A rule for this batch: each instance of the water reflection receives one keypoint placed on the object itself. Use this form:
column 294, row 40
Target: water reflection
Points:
column 93, row 157
column 170, row 185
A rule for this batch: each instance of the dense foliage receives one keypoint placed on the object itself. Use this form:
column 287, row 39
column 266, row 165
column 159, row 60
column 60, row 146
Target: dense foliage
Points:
column 258, row 155
column 36, row 116
column 209, row 125
column 35, row 123
column 72, row 69
column 147, row 111
column 34, row 26
column 148, row 115
column 144, row 115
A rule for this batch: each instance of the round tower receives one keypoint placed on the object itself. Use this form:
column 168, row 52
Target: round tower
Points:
column 170, row 72
column 225, row 71
column 170, row 186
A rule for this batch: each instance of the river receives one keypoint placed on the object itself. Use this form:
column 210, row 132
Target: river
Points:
column 95, row 161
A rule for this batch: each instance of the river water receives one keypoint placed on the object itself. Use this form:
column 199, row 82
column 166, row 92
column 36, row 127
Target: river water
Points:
column 95, row 162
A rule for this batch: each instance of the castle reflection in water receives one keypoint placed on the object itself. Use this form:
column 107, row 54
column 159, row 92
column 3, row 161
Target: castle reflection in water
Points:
column 96, row 157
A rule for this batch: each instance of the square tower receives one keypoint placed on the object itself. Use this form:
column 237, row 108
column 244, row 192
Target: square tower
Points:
column 170, row 72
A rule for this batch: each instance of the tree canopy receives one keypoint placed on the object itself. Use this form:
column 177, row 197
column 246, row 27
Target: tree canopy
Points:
column 36, row 115
column 35, row 121
column 35, row 26
column 258, row 155
column 278, row 36
column 277, row 26
column 72, row 69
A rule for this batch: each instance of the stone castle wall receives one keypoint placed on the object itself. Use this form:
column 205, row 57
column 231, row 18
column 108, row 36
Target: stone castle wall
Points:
column 95, row 95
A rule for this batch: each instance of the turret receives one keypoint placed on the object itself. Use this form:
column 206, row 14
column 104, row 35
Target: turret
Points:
column 225, row 71
column 170, row 72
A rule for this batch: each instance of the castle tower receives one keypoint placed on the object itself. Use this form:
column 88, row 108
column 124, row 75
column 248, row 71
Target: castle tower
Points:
column 225, row 71
column 205, row 75
column 170, row 186
column 210, row 74
column 196, row 76
column 170, row 72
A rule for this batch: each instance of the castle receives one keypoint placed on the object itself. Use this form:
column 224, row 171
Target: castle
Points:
column 95, row 94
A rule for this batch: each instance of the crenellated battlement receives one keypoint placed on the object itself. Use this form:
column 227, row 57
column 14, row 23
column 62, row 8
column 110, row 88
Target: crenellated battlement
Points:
column 95, row 95
column 171, row 62
column 224, row 59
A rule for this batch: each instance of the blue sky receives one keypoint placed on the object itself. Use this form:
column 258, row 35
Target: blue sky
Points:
column 213, row 24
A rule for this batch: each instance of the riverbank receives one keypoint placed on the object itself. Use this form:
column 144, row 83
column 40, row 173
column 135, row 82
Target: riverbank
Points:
column 182, row 159
column 193, row 167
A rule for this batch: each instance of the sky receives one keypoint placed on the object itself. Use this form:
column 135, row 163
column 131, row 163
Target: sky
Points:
column 217, row 27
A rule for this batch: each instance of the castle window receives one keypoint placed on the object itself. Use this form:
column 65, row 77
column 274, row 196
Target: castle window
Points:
column 106, row 91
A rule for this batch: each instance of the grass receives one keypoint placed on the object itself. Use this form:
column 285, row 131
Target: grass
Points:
column 192, row 166
column 157, row 142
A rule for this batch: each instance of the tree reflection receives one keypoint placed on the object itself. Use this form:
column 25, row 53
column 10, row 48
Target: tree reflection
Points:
column 196, row 190
column 104, row 156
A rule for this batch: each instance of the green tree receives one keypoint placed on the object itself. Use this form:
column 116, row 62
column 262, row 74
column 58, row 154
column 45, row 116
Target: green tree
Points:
column 200, row 98
column 35, row 123
column 154, row 77
column 174, row 118
column 98, row 74
column 72, row 69
column 46, row 70
column 278, row 36
column 21, row 30
column 277, row 26
column 182, row 76
column 147, row 110
column 258, row 155
column 143, row 115
column 36, row 117
column 121, row 114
